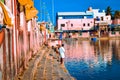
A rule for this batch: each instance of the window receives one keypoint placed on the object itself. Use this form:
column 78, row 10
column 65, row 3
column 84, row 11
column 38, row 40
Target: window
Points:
column 62, row 25
column 101, row 18
column 71, row 25
column 84, row 24
column 88, row 24
column 97, row 18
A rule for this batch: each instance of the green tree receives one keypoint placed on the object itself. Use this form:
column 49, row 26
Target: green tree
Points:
column 108, row 11
column 117, row 14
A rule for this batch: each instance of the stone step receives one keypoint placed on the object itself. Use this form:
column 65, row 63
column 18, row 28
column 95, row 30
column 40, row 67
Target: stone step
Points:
column 48, row 67
column 59, row 71
column 30, row 72
column 55, row 70
column 41, row 67
column 20, row 75
column 45, row 66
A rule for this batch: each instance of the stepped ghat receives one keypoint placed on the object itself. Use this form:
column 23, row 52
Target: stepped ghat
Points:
column 44, row 66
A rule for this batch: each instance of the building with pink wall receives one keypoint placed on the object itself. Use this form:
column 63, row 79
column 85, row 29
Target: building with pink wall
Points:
column 75, row 21
column 20, row 41
column 115, row 29
column 82, row 22
column 116, row 21
column 75, row 24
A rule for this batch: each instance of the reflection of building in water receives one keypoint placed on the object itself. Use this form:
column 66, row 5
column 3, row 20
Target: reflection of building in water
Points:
column 116, row 48
column 106, row 51
column 96, row 54
column 80, row 51
column 70, row 46
column 87, row 51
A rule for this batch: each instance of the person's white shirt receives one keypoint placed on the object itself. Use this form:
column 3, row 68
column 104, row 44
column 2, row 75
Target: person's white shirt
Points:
column 62, row 52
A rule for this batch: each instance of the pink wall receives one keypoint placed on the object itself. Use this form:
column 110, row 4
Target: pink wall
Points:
column 75, row 24
column 19, row 44
column 116, row 21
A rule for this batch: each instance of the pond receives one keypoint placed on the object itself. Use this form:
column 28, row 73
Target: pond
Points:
column 87, row 60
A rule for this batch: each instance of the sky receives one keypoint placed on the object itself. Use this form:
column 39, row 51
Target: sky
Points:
column 50, row 9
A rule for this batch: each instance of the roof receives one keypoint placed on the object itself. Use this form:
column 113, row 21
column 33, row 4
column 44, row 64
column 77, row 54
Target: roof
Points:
column 74, row 13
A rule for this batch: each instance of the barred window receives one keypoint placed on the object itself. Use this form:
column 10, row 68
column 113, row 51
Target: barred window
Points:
column 88, row 24
column 71, row 25
column 84, row 24
column 62, row 25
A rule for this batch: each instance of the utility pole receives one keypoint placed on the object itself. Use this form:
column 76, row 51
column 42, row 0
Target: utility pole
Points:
column 53, row 11
column 44, row 11
column 41, row 10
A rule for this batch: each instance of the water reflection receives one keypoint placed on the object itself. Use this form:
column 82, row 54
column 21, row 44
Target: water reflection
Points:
column 86, row 60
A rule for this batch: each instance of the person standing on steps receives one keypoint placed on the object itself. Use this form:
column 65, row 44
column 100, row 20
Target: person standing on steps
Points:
column 62, row 53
